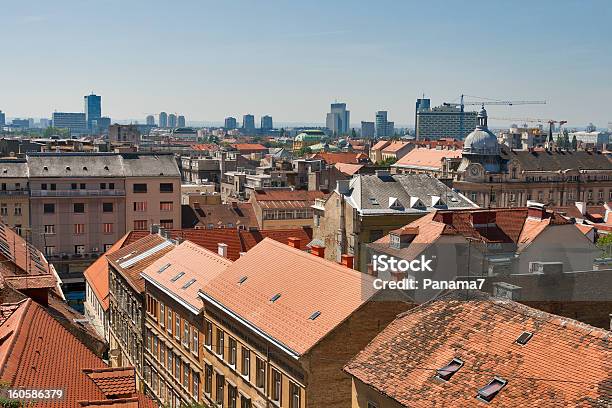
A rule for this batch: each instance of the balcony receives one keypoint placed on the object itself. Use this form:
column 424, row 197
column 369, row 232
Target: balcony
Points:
column 14, row 192
column 78, row 193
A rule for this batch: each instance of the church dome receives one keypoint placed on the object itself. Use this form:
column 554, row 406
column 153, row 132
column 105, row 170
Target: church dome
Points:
column 481, row 141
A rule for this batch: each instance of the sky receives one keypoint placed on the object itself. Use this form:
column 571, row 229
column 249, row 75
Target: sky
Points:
column 291, row 59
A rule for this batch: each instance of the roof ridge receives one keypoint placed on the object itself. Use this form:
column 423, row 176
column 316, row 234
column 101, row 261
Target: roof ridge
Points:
column 9, row 352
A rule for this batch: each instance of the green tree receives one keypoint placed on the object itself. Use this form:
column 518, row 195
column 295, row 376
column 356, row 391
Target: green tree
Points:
column 53, row 131
column 605, row 244
column 353, row 133
column 304, row 151
column 574, row 143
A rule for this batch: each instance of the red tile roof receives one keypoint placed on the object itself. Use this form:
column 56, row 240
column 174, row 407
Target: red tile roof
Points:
column 426, row 158
column 36, row 351
column 380, row 144
column 395, row 146
column 113, row 382
column 133, row 258
column 565, row 363
column 249, row 147
column 348, row 169
column 342, row 157
column 306, row 284
column 97, row 274
column 286, row 198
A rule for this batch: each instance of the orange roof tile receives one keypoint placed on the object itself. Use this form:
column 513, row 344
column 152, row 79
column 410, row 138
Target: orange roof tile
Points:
column 395, row 146
column 565, row 363
column 97, row 273
column 380, row 144
column 342, row 157
column 306, row 284
column 249, row 147
column 347, row 168
column 193, row 265
column 113, row 382
column 429, row 158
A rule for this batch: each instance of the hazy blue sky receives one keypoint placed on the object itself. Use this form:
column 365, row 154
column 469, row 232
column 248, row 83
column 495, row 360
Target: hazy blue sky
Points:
column 290, row 59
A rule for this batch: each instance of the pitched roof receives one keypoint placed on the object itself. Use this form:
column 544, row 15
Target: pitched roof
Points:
column 347, row 168
column 113, row 381
column 380, row 144
column 286, row 198
column 313, row 285
column 426, row 158
column 395, row 147
column 29, row 357
column 97, row 273
column 184, row 270
column 564, row 363
column 133, row 258
column 220, row 215
column 249, row 147
column 341, row 157
column 553, row 160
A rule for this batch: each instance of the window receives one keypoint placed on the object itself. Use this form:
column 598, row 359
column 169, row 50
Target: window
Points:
column 3, row 209
column 169, row 365
column 445, row 373
column 489, row 391
column 43, row 186
column 166, row 187
column 276, row 385
column 49, row 250
column 186, row 375
column 473, row 197
column 185, row 333
column 524, row 338
column 140, row 206
column 108, row 228
column 102, row 186
column 177, row 367
column 107, row 247
column 195, row 384
column 140, row 188
column 169, row 322
column 18, row 209
column 195, row 340
column 82, row 186
column 232, row 396
column 162, row 314
column 79, row 249
column 219, row 349
column 111, row 186
column 79, row 229
column 245, row 402
column 208, row 373
column 53, row 186
column 232, row 351
column 208, row 333
column 78, row 208
column 177, row 327
column 372, row 405
column 260, row 373
column 107, row 207
column 167, row 224
column 73, row 186
column 166, row 206
column 49, row 208
column 140, row 225
column 220, row 385
column 294, row 395
column 245, row 364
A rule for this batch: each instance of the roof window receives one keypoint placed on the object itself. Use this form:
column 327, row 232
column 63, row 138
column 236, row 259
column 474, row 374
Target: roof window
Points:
column 275, row 297
column 177, row 277
column 445, row 373
column 524, row 338
column 189, row 283
column 315, row 315
column 489, row 391
column 67, row 168
column 242, row 280
column 163, row 268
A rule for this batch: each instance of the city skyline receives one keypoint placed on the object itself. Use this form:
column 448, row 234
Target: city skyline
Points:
column 374, row 59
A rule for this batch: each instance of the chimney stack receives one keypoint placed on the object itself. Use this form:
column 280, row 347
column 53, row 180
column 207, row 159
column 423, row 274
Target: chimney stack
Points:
column 318, row 250
column 581, row 205
column 222, row 249
column 348, row 260
column 294, row 242
column 536, row 210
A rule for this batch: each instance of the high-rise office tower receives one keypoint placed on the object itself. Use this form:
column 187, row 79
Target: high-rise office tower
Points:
column 2, row 118
column 367, row 130
column 93, row 109
column 181, row 121
column 384, row 128
column 266, row 123
column 421, row 104
column 230, row 123
column 338, row 118
column 248, row 122
column 75, row 122
column 150, row 120
column 443, row 121
column 172, row 120
column 163, row 119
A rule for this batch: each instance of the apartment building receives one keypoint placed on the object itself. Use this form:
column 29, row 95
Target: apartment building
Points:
column 126, row 300
column 80, row 203
column 282, row 209
column 14, row 196
column 174, row 360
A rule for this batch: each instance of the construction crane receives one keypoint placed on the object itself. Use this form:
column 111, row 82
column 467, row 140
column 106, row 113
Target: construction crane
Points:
column 551, row 123
column 485, row 101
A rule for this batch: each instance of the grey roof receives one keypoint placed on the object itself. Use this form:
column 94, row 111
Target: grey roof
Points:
column 553, row 160
column 101, row 165
column 402, row 193
column 13, row 168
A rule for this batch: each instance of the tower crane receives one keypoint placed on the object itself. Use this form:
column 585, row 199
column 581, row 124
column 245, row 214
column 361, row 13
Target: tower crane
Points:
column 551, row 123
column 485, row 101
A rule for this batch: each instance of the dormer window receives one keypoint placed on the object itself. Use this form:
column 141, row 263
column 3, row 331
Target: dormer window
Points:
column 396, row 241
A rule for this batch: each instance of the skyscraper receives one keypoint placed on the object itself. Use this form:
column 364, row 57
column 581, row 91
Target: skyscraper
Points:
column 367, row 130
column 2, row 118
column 384, row 128
column 75, row 122
column 443, row 121
column 248, row 122
column 338, row 118
column 172, row 120
column 181, row 121
column 150, row 120
column 266, row 123
column 230, row 123
column 163, row 119
column 93, row 109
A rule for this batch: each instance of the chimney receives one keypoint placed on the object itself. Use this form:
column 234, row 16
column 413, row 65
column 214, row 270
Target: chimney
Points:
column 294, row 242
column 318, row 250
column 536, row 210
column 581, row 205
column 347, row 260
column 222, row 249
column 242, row 254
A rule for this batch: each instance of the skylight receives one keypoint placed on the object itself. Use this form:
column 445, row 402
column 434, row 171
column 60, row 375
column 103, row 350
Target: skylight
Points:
column 489, row 391
column 163, row 268
column 275, row 297
column 242, row 280
column 373, row 201
column 524, row 338
column 189, row 283
column 177, row 277
column 445, row 373
column 315, row 315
